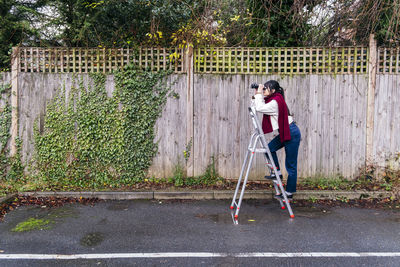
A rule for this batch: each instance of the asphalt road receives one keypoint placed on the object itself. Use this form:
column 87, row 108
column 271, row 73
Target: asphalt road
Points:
column 148, row 232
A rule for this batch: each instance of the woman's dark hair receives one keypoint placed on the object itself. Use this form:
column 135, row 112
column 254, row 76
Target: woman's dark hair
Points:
column 272, row 84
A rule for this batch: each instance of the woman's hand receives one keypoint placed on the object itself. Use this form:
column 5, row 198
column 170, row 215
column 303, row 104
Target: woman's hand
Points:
column 260, row 89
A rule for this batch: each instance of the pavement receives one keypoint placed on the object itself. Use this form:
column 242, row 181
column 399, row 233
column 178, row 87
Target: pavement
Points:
column 170, row 232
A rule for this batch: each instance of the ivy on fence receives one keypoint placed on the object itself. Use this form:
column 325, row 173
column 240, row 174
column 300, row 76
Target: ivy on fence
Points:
column 5, row 117
column 91, row 140
column 11, row 168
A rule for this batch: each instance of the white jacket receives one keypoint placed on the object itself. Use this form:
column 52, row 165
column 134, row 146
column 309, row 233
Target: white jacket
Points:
column 270, row 108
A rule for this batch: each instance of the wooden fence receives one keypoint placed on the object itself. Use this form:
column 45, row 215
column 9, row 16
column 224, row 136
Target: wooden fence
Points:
column 345, row 100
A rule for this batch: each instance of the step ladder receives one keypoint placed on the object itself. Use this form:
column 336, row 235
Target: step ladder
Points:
column 258, row 144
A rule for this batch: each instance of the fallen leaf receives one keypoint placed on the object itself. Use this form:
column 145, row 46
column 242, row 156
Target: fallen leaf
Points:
column 251, row 220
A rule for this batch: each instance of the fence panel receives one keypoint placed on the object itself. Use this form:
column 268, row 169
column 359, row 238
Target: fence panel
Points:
column 387, row 119
column 329, row 110
column 294, row 60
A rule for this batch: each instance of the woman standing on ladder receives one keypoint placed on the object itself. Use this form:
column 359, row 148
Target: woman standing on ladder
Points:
column 270, row 100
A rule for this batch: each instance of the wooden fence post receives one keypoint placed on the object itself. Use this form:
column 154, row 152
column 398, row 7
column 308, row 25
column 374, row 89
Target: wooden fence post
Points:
column 372, row 66
column 14, row 100
column 189, row 110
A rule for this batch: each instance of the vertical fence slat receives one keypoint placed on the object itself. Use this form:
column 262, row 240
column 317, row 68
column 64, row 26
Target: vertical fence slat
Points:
column 158, row 59
column 285, row 61
column 241, row 59
column 49, row 59
column 104, row 60
column 55, row 61
column 37, row 59
column 97, row 60
column 298, row 60
column 63, row 60
column 151, row 59
column 372, row 70
column 79, row 61
column 348, row 60
column 323, row 60
column 384, row 61
column 73, row 60
column 391, row 60
column 67, row 60
column 15, row 67
column 31, row 61
column 164, row 59
column 362, row 60
column 25, row 62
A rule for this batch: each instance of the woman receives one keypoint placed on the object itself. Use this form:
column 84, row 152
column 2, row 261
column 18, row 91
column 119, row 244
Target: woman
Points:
column 270, row 100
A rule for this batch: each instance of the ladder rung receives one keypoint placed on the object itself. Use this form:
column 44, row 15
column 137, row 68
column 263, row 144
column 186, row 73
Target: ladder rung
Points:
column 258, row 150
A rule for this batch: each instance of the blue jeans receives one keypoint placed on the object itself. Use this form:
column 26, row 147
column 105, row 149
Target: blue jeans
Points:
column 291, row 151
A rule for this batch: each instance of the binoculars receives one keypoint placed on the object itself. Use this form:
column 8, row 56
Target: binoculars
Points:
column 254, row 86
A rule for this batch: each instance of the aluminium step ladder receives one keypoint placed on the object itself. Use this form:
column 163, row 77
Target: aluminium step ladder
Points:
column 258, row 144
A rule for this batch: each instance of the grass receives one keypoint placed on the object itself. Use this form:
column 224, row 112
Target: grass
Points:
column 15, row 186
column 366, row 182
column 337, row 183
column 32, row 224
column 323, row 183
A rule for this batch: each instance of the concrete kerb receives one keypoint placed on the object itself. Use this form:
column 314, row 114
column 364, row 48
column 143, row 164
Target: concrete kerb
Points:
column 341, row 195
column 94, row 194
column 204, row 195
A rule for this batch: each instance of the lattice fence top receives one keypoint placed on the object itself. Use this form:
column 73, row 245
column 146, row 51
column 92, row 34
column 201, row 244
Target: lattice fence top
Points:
column 85, row 60
column 338, row 60
column 388, row 60
column 222, row 60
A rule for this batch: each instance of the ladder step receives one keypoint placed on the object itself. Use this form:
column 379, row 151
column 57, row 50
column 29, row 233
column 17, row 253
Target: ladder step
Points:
column 258, row 150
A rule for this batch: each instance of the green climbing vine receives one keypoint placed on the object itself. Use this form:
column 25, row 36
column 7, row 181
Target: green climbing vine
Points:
column 91, row 140
column 5, row 124
column 5, row 117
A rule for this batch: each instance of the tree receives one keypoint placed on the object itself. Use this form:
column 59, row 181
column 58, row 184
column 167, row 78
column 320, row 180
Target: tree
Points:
column 350, row 22
column 115, row 23
column 280, row 23
column 17, row 19
column 118, row 23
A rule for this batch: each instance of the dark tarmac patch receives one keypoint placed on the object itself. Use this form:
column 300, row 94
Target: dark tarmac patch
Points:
column 118, row 206
column 397, row 219
column 311, row 212
column 63, row 212
column 377, row 203
column 227, row 218
column 92, row 239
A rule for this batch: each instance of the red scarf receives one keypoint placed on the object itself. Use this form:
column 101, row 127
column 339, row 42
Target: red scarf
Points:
column 283, row 121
